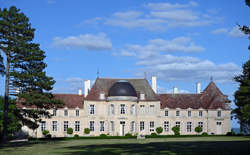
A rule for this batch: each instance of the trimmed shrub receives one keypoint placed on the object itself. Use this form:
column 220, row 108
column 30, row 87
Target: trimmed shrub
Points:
column 76, row 136
column 45, row 132
column 128, row 135
column 198, row 129
column 159, row 130
column 48, row 136
column 153, row 134
column 204, row 134
column 87, row 131
column 103, row 135
column 176, row 130
column 229, row 134
column 70, row 131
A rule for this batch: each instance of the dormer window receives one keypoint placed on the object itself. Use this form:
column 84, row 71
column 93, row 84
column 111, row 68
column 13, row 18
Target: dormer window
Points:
column 142, row 96
column 77, row 112
column 54, row 112
column 65, row 112
column 102, row 96
column 219, row 113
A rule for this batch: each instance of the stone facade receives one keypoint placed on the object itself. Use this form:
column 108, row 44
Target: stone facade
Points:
column 121, row 115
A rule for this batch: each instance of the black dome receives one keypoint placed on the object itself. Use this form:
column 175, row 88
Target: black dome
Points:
column 122, row 88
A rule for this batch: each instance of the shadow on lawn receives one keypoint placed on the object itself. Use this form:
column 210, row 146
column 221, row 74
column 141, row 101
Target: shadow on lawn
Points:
column 222, row 147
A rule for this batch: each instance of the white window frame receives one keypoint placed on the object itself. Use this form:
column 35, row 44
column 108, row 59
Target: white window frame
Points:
column 66, row 112
column 151, row 126
column 132, row 109
column 132, row 126
column 142, row 125
column 54, row 112
column 200, row 113
column 102, row 126
column 189, row 113
column 122, row 109
column 219, row 113
column 177, row 113
column 112, row 109
column 65, row 125
column 91, row 109
column 77, row 112
column 54, row 125
column 92, row 125
column 189, row 126
column 112, row 126
column 166, row 126
column 77, row 125
column 43, row 125
column 200, row 124
column 166, row 113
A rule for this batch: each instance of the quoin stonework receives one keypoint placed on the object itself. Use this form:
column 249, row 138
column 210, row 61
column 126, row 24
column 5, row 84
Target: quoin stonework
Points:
column 120, row 106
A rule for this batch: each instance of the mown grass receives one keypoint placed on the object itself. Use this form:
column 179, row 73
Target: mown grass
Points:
column 181, row 145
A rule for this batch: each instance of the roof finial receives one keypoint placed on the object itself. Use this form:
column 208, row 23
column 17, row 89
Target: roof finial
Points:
column 97, row 73
column 211, row 78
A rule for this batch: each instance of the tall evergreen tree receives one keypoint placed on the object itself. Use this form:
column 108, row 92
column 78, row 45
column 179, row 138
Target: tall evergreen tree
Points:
column 24, row 70
column 242, row 98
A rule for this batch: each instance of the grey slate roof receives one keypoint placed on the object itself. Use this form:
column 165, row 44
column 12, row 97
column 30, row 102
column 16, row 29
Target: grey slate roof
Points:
column 104, row 84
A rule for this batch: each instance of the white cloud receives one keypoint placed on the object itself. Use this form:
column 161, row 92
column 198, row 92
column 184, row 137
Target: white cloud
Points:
column 234, row 32
column 154, row 58
column 156, row 46
column 168, row 6
column 163, row 90
column 159, row 17
column 127, row 53
column 90, row 42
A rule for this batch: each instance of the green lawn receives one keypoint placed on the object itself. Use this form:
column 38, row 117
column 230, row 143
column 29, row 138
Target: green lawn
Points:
column 183, row 145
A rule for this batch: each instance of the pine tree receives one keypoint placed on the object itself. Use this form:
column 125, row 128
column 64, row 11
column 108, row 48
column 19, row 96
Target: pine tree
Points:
column 242, row 98
column 24, row 70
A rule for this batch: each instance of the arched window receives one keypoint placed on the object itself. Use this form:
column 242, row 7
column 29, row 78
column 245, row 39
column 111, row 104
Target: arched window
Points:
column 132, row 110
column 112, row 109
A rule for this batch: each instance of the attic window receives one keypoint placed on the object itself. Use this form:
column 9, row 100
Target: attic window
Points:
column 102, row 96
column 142, row 96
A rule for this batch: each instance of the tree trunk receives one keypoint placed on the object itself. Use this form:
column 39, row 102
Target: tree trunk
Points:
column 6, row 99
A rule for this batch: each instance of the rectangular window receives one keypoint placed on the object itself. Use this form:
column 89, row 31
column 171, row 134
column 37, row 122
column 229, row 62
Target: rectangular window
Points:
column 218, row 113
column 122, row 106
column 166, row 113
column 132, row 127
column 142, row 106
column 43, row 125
column 200, row 113
column 141, row 126
column 77, row 125
column 77, row 112
column 112, row 109
column 189, row 126
column 178, row 124
column 65, row 125
column 112, row 126
column 92, row 126
column 151, row 126
column 54, row 112
column 200, row 124
column 65, row 112
column 177, row 113
column 92, row 109
column 152, row 106
column 54, row 125
column 189, row 113
column 166, row 126
column 132, row 110
column 101, row 125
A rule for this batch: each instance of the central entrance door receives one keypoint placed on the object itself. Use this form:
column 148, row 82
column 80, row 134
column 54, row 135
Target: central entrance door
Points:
column 122, row 128
column 218, row 128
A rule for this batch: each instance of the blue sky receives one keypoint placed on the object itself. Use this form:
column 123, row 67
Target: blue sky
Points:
column 181, row 42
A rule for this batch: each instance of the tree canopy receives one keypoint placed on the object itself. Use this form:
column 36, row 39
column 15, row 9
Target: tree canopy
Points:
column 242, row 98
column 24, row 69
